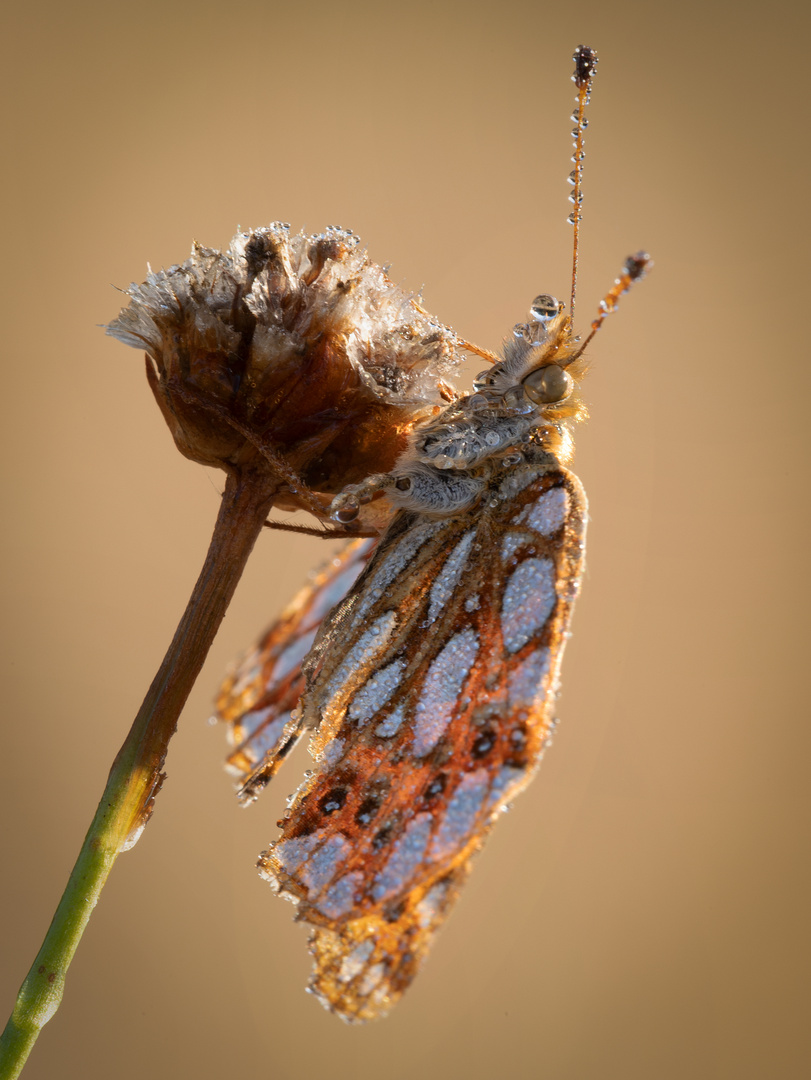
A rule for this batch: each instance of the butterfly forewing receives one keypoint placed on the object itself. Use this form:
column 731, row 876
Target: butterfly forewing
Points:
column 432, row 690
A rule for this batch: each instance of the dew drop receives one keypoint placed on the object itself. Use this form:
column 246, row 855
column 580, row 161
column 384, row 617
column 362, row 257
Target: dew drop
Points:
column 484, row 378
column 544, row 308
column 348, row 511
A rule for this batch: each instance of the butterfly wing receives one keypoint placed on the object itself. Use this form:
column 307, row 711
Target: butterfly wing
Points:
column 431, row 688
column 259, row 696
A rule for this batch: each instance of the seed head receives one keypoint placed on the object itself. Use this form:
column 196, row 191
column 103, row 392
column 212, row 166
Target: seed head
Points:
column 297, row 343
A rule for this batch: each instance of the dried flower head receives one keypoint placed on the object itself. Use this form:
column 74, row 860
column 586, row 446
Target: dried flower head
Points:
column 297, row 348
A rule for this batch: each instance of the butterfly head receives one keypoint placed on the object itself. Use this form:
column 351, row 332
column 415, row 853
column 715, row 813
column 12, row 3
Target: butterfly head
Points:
column 537, row 357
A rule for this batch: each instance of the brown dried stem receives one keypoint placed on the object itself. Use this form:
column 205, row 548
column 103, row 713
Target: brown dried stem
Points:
column 136, row 776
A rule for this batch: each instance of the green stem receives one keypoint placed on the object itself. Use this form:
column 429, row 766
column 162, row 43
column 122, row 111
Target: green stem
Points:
column 135, row 776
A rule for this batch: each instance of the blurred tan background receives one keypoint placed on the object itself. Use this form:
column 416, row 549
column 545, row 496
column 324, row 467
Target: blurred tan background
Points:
column 643, row 912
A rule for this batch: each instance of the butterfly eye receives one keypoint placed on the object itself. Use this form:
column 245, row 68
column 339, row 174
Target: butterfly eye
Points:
column 547, row 385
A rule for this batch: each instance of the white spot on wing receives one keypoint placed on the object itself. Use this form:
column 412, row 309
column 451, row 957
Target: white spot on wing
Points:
column 290, row 854
column 291, row 657
column 354, row 961
column 406, row 855
column 448, row 577
column 340, row 896
column 431, row 904
column 390, row 725
column 374, row 694
column 364, row 652
column 250, row 722
column 525, row 686
column 506, row 785
column 441, row 688
column 319, row 869
column 512, row 542
column 331, row 753
column 370, row 980
column 548, row 513
column 529, row 600
column 392, row 564
column 461, row 814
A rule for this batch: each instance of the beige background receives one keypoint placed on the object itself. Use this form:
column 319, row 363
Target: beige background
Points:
column 643, row 912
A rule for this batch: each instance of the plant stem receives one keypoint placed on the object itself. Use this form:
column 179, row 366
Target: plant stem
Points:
column 135, row 776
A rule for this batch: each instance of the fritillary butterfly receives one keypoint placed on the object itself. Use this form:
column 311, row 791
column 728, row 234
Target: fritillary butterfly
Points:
column 426, row 664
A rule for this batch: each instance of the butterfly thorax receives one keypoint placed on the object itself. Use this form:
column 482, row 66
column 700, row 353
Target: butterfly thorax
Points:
column 525, row 403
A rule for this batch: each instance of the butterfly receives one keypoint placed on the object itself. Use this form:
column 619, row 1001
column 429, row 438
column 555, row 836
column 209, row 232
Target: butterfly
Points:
column 425, row 664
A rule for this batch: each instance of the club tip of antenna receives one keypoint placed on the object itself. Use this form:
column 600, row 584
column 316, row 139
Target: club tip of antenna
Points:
column 585, row 62
column 636, row 266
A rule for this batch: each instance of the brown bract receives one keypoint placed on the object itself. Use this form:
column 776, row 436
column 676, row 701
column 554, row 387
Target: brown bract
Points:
column 296, row 348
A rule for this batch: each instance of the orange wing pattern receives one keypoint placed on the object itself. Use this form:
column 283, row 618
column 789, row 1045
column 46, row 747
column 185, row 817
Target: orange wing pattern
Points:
column 431, row 689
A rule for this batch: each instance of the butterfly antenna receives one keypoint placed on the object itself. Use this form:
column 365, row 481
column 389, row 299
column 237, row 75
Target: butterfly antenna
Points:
column 585, row 62
column 635, row 268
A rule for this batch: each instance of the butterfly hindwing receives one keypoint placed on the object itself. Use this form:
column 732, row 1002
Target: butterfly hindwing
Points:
column 431, row 690
column 258, row 698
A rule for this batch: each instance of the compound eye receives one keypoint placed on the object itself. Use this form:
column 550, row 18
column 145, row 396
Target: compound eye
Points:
column 547, row 385
column 544, row 308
